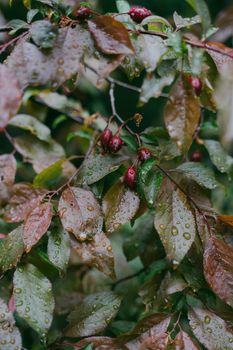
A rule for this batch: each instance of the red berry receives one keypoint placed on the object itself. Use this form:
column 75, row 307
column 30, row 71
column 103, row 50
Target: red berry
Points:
column 144, row 154
column 130, row 176
column 196, row 84
column 139, row 13
column 83, row 13
column 105, row 137
column 115, row 144
column 196, row 156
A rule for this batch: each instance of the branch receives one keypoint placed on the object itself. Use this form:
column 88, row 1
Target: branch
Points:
column 128, row 278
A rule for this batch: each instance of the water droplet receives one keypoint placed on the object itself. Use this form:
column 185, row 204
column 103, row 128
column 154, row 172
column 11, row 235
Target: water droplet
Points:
column 162, row 227
column 90, row 208
column 18, row 290
column 109, row 248
column 207, row 319
column 27, row 309
column 187, row 235
column 187, row 225
column 174, row 231
column 209, row 330
column 60, row 61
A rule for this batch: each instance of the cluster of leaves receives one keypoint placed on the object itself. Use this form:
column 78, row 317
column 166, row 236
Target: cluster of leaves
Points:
column 69, row 221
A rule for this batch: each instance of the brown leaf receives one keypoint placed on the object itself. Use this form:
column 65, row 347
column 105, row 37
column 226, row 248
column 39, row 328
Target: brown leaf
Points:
column 10, row 95
column 184, row 342
column 111, row 36
column 36, row 224
column 98, row 343
column 218, row 268
column 182, row 114
column 23, row 199
column 7, row 175
column 97, row 253
column 120, row 205
column 150, row 333
column 227, row 219
column 220, row 59
column 80, row 213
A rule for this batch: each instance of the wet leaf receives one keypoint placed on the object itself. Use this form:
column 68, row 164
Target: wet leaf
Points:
column 40, row 154
column 120, row 205
column 98, row 342
column 201, row 8
column 200, row 173
column 111, row 36
column 97, row 166
column 59, row 248
column 43, row 34
column 33, row 298
column 184, row 342
column 227, row 219
column 174, row 221
column 218, row 155
column 80, row 213
column 36, row 224
column 151, row 49
column 150, row 333
column 10, row 95
column 8, row 169
column 50, row 176
column 210, row 329
column 33, row 67
column 11, row 249
column 182, row 114
column 152, row 87
column 93, row 314
column 27, row 122
column 218, row 268
column 10, row 337
column 182, row 22
column 23, row 199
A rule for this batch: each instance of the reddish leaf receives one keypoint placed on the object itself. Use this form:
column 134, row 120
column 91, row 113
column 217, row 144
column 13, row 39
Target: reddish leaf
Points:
column 218, row 268
column 36, row 224
column 111, row 37
column 80, row 213
column 227, row 219
column 151, row 333
column 97, row 253
column 184, row 342
column 10, row 95
column 7, row 175
column 98, row 343
column 220, row 59
column 24, row 198
column 120, row 205
column 182, row 114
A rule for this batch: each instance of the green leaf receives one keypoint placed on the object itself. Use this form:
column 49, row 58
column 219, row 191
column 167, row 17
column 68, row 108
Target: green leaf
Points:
column 50, row 176
column 120, row 205
column 200, row 173
column 80, row 213
column 27, row 122
column 93, row 314
column 182, row 22
column 31, row 14
column 218, row 155
column 97, row 253
column 110, row 36
column 174, row 221
column 202, row 10
column 210, row 330
column 97, row 166
column 59, row 248
column 10, row 337
column 16, row 24
column 11, row 249
column 152, row 87
column 122, row 6
column 33, row 298
column 182, row 114
column 40, row 153
column 44, row 34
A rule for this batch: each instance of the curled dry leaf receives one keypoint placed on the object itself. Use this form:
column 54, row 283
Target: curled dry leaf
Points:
column 174, row 221
column 182, row 114
column 120, row 205
column 7, row 175
column 218, row 268
column 80, row 213
column 227, row 219
column 10, row 95
column 111, row 37
column 23, row 199
column 10, row 336
column 210, row 330
column 184, row 342
column 97, row 253
column 36, row 224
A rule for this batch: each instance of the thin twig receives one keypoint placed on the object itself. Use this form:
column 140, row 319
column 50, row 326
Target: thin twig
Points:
column 128, row 278
column 4, row 46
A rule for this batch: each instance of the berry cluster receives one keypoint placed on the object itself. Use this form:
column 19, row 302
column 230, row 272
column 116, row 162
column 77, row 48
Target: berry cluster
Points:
column 110, row 142
column 138, row 14
column 83, row 13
